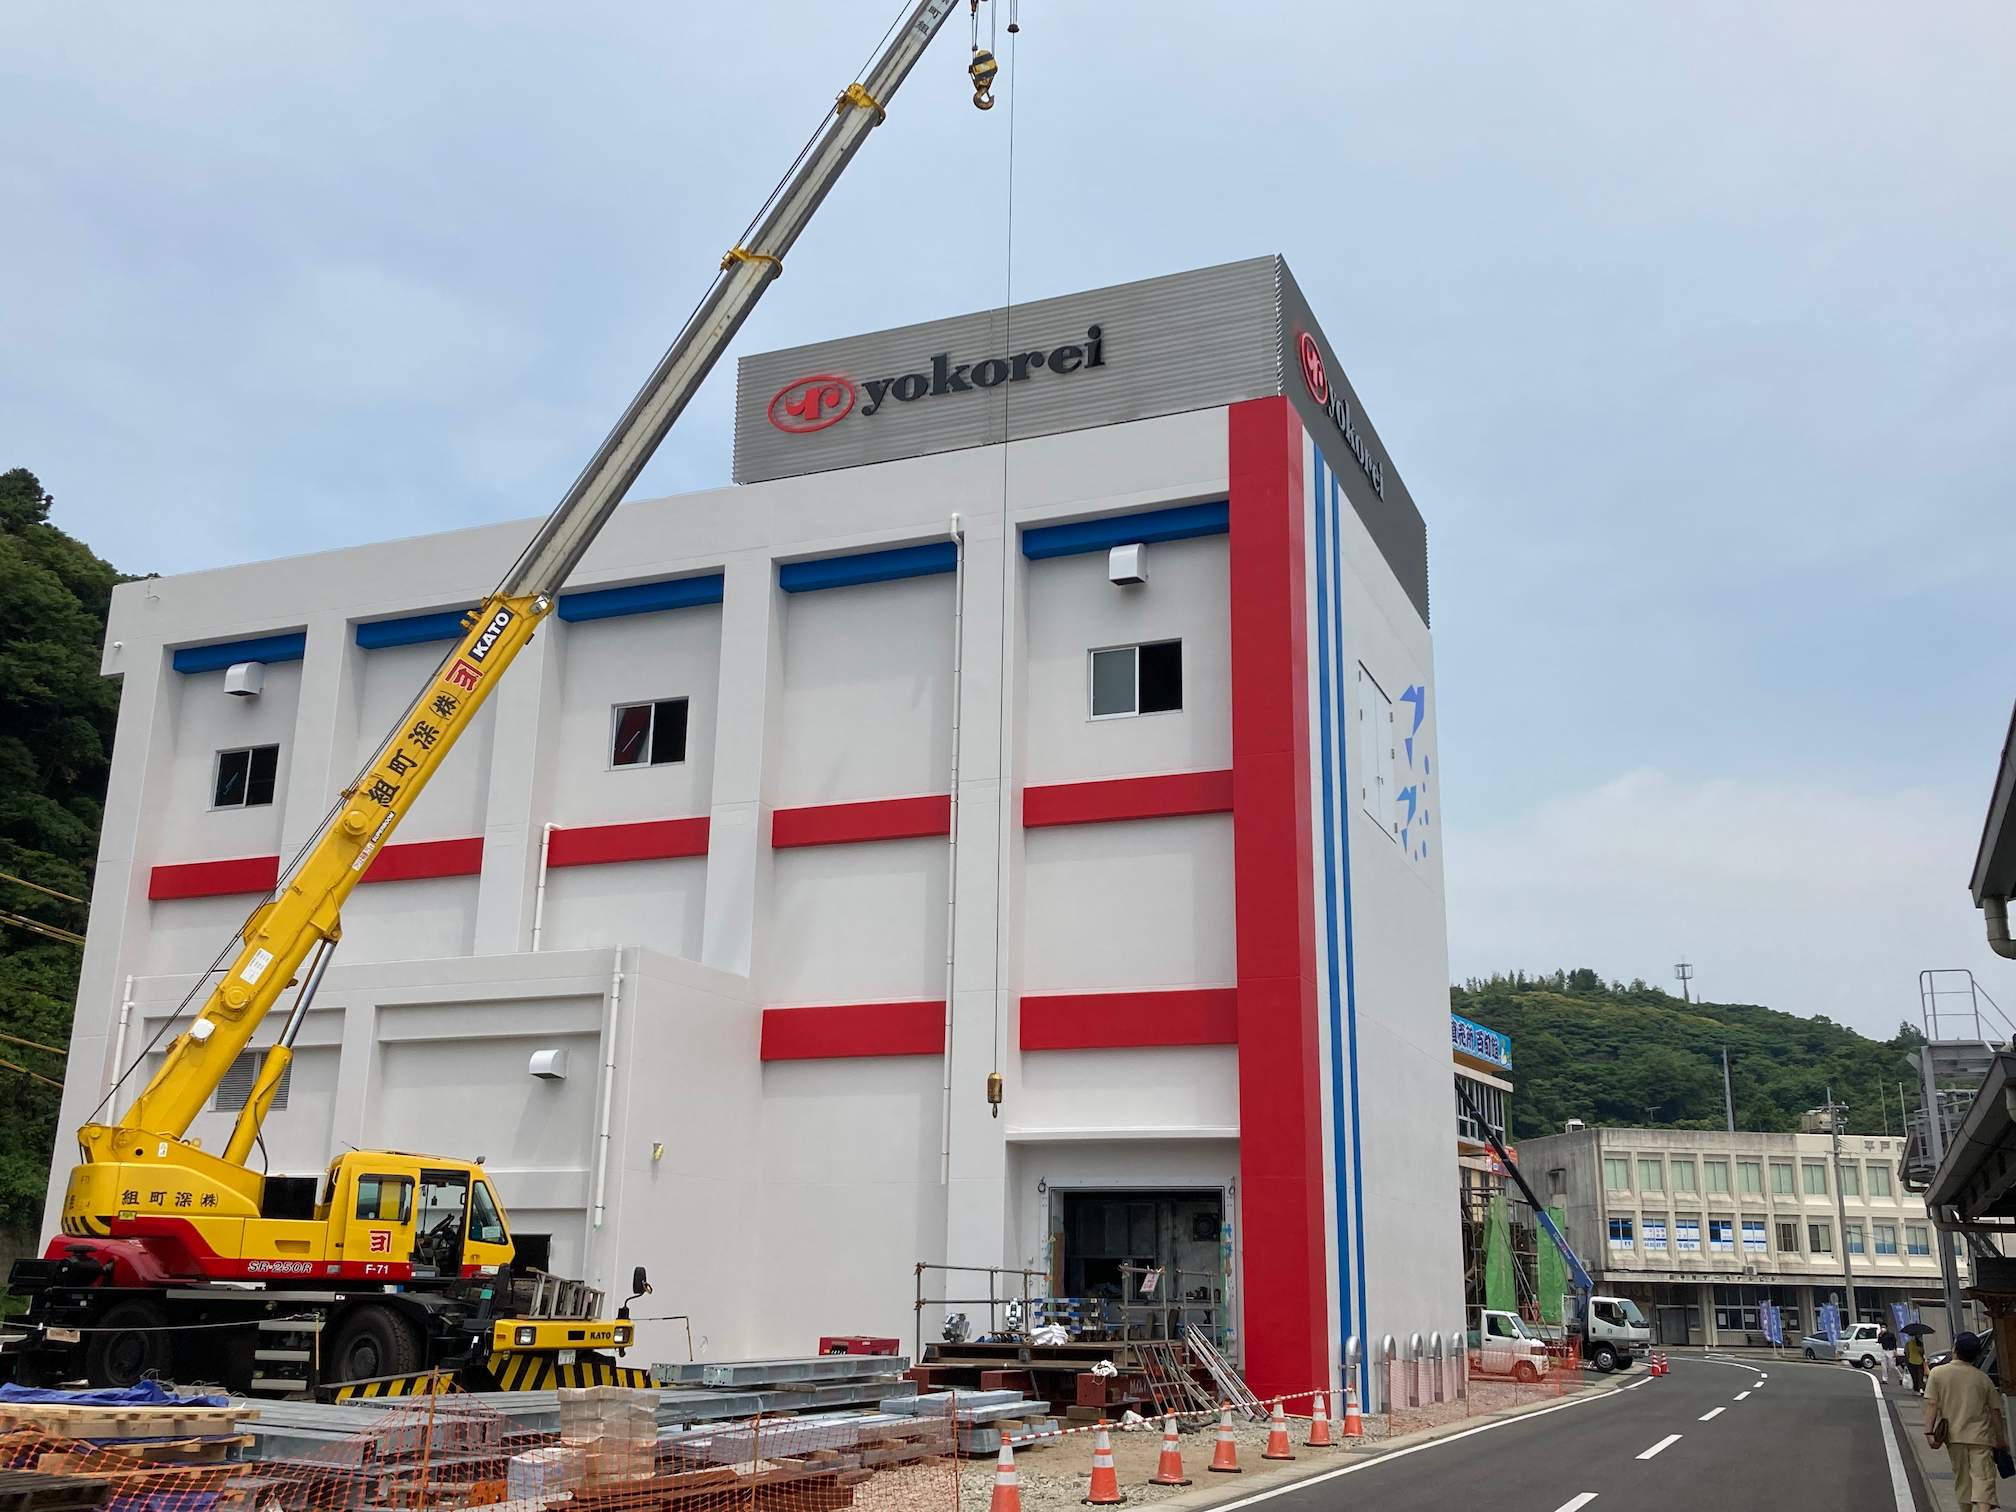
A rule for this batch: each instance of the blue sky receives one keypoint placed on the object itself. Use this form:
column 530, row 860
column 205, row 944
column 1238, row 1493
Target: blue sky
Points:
column 1692, row 329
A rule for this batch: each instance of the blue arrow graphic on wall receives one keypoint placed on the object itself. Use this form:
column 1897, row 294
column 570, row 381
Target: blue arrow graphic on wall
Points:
column 1417, row 696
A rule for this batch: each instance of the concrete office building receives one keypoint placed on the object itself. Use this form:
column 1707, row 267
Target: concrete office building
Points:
column 1699, row 1226
column 681, row 940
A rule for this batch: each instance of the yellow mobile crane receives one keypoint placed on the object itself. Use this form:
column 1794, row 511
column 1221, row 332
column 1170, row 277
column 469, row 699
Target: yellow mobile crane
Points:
column 177, row 1261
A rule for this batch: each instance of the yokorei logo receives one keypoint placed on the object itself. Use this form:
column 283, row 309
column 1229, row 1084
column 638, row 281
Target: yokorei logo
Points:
column 1316, row 373
column 819, row 400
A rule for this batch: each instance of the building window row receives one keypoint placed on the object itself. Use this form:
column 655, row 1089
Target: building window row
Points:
column 1759, row 1236
column 1490, row 1102
column 1654, row 1173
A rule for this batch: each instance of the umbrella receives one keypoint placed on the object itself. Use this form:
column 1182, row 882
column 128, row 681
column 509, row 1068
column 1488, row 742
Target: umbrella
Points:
column 1916, row 1328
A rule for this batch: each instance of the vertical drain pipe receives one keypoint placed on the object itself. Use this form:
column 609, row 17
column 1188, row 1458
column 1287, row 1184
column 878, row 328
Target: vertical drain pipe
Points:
column 119, row 1041
column 952, row 841
column 539, row 892
column 610, row 1007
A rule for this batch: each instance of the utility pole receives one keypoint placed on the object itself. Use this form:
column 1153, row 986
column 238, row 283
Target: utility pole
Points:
column 1728, row 1095
column 1834, row 1112
column 1685, row 971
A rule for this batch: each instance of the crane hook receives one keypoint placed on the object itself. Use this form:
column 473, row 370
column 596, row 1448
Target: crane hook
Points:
column 983, row 68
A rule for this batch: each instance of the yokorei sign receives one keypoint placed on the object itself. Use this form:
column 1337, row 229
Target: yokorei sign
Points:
column 1333, row 401
column 818, row 401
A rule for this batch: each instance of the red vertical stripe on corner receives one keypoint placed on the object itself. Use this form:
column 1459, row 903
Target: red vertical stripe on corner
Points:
column 1287, row 1302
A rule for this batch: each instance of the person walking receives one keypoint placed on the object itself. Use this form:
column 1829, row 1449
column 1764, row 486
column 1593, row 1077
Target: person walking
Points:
column 1886, row 1348
column 1914, row 1361
column 1963, row 1414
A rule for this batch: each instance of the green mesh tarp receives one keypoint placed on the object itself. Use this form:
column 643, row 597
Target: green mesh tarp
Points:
column 1501, row 1294
column 1553, row 1269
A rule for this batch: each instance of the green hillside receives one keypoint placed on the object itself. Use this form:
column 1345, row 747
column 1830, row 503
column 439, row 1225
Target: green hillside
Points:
column 1611, row 1053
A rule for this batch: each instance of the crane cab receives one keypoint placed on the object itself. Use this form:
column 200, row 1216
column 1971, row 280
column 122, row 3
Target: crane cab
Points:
column 393, row 1216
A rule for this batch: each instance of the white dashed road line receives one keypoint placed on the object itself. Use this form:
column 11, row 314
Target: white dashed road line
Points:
column 1576, row 1503
column 1664, row 1444
column 1711, row 1414
column 1740, row 1395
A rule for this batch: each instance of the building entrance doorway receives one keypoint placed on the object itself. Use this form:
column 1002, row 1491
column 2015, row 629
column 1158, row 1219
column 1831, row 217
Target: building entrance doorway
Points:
column 1149, row 1263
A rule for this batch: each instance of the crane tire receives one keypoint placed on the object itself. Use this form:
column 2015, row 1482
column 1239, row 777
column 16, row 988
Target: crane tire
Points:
column 129, row 1344
column 373, row 1340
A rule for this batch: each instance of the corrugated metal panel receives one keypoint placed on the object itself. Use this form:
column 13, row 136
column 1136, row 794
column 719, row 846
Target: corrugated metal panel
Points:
column 1186, row 341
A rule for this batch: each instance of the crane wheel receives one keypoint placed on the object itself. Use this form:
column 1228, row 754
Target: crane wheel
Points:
column 130, row 1343
column 373, row 1341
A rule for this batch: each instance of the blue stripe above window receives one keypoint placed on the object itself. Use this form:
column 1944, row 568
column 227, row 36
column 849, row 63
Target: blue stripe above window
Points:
column 262, row 648
column 640, row 598
column 868, row 567
column 412, row 629
column 1108, row 531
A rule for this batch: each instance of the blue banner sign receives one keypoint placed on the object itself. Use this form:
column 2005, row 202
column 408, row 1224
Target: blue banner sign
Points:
column 1480, row 1043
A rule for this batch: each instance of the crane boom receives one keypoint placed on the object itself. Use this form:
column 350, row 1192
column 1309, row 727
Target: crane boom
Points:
column 303, row 914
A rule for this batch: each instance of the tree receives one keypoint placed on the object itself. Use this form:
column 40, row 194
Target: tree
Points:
column 56, row 719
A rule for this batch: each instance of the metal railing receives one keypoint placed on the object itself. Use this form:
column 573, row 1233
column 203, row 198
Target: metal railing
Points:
column 994, row 1301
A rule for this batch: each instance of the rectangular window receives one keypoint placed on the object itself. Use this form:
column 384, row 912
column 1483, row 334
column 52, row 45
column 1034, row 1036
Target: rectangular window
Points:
column 384, row 1199
column 1879, row 1181
column 1655, row 1234
column 235, row 1086
column 1375, row 752
column 1852, row 1236
column 1620, row 1233
column 1683, row 1175
column 1916, row 1240
column 1753, row 1236
column 1490, row 1102
column 1781, row 1179
column 1749, row 1178
column 245, row 777
column 649, row 734
column 1687, row 1235
column 1721, row 1236
column 1815, row 1176
column 1651, row 1175
column 1144, row 679
column 1886, row 1238
column 1851, row 1179
column 1616, row 1173
column 1717, row 1174
column 1820, row 1238
column 1788, row 1238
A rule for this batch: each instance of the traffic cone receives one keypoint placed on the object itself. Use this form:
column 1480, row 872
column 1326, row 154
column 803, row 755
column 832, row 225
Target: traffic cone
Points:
column 1354, row 1425
column 1277, row 1436
column 1007, row 1485
column 1105, row 1479
column 1319, row 1425
column 1168, row 1469
column 1225, row 1457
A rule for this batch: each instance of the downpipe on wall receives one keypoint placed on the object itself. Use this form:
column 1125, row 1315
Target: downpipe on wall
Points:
column 958, row 535
column 1995, row 913
column 539, row 891
column 605, row 1115
column 119, row 1039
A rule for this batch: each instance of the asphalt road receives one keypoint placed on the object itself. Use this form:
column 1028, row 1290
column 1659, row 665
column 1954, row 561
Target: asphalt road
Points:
column 1723, row 1437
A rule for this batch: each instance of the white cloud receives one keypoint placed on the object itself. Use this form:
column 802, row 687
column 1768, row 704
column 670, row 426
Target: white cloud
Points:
column 1809, row 898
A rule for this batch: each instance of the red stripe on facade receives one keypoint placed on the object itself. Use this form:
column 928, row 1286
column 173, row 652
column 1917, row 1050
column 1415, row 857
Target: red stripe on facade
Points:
column 427, row 858
column 1124, row 1020
column 213, row 879
column 845, row 823
column 1280, row 1088
column 854, row 1029
column 1157, row 797
column 646, row 840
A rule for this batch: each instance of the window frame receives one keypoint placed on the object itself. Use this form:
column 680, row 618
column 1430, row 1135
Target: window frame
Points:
column 1754, row 1169
column 1674, row 1167
column 1785, row 1226
column 380, row 1181
column 1877, row 1236
column 248, row 752
column 1791, row 1170
column 1710, row 1169
column 1807, row 1186
column 1819, row 1237
column 1377, row 776
column 1623, row 1161
column 1623, row 1233
column 1092, row 653
column 1879, row 1175
column 651, row 734
column 1651, row 1174
column 1921, row 1244
column 1853, row 1238
column 1851, row 1178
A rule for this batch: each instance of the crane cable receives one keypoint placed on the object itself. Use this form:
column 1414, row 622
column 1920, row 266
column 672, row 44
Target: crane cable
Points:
column 1002, row 830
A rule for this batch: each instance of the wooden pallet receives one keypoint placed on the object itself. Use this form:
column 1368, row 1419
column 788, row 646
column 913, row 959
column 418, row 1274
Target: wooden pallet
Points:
column 32, row 1491
column 62, row 1420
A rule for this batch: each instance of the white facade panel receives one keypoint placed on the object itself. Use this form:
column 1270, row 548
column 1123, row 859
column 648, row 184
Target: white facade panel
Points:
column 858, row 923
column 658, row 904
column 1120, row 1093
column 1073, row 609
column 1141, row 904
column 453, row 804
column 417, row 920
column 637, row 658
column 206, row 721
column 867, row 697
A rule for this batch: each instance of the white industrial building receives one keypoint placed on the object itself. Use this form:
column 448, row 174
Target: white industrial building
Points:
column 666, row 943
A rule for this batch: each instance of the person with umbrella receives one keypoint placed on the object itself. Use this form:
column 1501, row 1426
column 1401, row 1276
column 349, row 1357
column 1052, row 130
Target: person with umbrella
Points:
column 1914, row 1353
